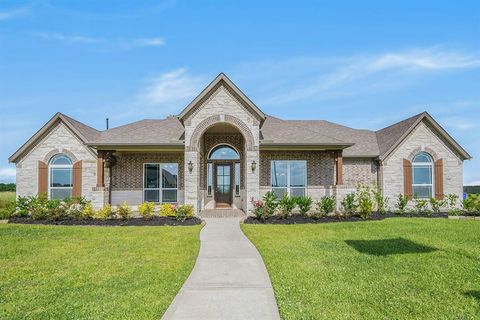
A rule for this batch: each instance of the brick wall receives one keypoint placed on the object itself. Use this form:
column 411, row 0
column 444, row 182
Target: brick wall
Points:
column 359, row 171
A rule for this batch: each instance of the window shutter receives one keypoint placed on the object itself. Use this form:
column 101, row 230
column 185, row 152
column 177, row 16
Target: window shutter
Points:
column 407, row 178
column 439, row 179
column 77, row 179
column 42, row 179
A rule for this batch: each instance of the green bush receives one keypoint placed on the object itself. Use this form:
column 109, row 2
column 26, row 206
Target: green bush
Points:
column 402, row 202
column 285, row 205
column 421, row 206
column 168, row 210
column 472, row 203
column 381, row 202
column 436, row 204
column 304, row 204
column 147, row 210
column 325, row 206
column 88, row 212
column 104, row 213
column 183, row 212
column 261, row 212
column 38, row 208
column 349, row 203
column 56, row 209
column 23, row 206
column 365, row 201
column 270, row 202
column 124, row 211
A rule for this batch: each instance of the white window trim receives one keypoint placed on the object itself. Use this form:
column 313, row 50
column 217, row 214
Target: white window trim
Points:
column 288, row 187
column 160, row 181
column 432, row 174
column 59, row 166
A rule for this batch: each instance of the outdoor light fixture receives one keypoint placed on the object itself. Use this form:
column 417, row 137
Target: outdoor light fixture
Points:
column 190, row 166
column 254, row 165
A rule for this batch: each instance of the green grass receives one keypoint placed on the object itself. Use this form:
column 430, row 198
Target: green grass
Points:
column 5, row 198
column 58, row 272
column 398, row 268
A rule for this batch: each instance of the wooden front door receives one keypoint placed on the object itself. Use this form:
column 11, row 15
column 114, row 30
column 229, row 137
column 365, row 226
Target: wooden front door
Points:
column 223, row 184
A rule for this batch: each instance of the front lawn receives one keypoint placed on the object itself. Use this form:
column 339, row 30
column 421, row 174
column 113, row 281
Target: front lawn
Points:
column 57, row 272
column 5, row 198
column 399, row 268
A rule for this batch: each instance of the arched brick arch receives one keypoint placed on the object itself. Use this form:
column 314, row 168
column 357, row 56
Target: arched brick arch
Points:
column 213, row 120
column 425, row 149
column 54, row 152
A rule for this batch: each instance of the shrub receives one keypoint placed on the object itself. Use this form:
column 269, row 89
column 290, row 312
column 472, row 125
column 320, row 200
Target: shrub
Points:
column 472, row 203
column 56, row 209
column 147, row 210
column 381, row 202
column 270, row 202
column 75, row 211
column 104, row 213
column 402, row 202
column 304, row 204
column 326, row 205
column 436, row 204
column 421, row 206
column 168, row 210
column 88, row 212
column 183, row 212
column 37, row 207
column 365, row 201
column 260, row 210
column 349, row 204
column 286, row 205
column 124, row 211
column 451, row 201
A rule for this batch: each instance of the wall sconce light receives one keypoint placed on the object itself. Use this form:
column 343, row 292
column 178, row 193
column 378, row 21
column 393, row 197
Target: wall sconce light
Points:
column 190, row 166
column 254, row 165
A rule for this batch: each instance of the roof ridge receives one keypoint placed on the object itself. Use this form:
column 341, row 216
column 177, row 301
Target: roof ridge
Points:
column 422, row 114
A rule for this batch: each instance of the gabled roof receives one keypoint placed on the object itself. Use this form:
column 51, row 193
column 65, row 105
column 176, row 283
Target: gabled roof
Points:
column 143, row 133
column 82, row 131
column 390, row 137
column 220, row 80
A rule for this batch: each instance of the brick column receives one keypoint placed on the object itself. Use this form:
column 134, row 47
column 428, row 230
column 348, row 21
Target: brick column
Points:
column 192, row 179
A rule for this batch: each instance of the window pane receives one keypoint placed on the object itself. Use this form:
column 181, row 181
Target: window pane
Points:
column 422, row 157
column 279, row 192
column 298, row 172
column 237, row 178
column 297, row 192
column 224, row 152
column 422, row 174
column 169, row 196
column 61, row 159
column 279, row 173
column 152, row 195
column 209, row 178
column 60, row 177
column 169, row 175
column 422, row 191
column 151, row 176
column 60, row 193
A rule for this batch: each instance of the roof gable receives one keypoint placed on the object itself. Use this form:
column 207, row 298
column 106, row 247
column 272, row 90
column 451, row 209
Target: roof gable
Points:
column 222, row 80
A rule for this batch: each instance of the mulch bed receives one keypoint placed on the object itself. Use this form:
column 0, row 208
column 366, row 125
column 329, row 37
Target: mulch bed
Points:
column 298, row 219
column 156, row 221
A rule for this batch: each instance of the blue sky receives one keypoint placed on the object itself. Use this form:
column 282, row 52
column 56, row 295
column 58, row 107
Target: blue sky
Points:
column 364, row 64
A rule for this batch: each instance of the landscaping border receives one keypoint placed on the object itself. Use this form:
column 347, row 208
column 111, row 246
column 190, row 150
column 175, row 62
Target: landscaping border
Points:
column 155, row 221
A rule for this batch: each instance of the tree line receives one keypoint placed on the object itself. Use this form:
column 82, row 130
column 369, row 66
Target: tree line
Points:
column 7, row 187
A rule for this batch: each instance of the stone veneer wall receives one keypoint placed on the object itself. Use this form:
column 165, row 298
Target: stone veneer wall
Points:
column 422, row 138
column 58, row 140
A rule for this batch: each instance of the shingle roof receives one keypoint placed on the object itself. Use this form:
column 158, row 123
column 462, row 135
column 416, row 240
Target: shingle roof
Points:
column 88, row 132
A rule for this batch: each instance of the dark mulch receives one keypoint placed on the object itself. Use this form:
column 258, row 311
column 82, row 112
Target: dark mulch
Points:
column 156, row 221
column 298, row 219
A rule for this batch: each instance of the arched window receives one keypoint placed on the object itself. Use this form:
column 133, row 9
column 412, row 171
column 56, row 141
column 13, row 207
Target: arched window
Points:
column 422, row 175
column 60, row 177
column 224, row 152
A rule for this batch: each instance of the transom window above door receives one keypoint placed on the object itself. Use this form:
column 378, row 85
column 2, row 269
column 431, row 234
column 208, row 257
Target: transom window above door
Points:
column 223, row 152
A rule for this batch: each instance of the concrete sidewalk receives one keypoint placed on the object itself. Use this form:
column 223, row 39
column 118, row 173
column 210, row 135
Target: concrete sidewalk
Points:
column 229, row 280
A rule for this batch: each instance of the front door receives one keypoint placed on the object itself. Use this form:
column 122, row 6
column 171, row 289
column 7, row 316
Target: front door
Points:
column 223, row 184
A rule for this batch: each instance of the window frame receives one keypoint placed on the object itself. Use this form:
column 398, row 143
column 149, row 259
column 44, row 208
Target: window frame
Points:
column 59, row 166
column 288, row 183
column 432, row 175
column 160, row 188
column 237, row 179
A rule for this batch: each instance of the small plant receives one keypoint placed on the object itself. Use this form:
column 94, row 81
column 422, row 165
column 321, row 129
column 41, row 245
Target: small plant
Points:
column 75, row 211
column 147, row 210
column 104, row 213
column 381, row 202
column 471, row 203
column 270, row 202
column 38, row 208
column 124, row 211
column 365, row 202
column 56, row 209
column 451, row 201
column 304, row 204
column 88, row 212
column 183, row 212
column 326, row 205
column 349, row 203
column 285, row 206
column 260, row 210
column 402, row 202
column 168, row 210
column 22, row 206
column 421, row 206
column 436, row 204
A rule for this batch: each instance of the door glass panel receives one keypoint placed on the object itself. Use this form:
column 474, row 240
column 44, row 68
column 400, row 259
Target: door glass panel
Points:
column 151, row 176
column 223, row 179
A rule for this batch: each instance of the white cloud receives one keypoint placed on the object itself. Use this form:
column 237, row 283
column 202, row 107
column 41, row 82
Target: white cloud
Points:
column 68, row 38
column 7, row 174
column 10, row 14
column 473, row 183
column 150, row 42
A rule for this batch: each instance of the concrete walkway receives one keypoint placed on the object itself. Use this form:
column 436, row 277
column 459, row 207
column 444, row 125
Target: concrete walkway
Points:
column 229, row 280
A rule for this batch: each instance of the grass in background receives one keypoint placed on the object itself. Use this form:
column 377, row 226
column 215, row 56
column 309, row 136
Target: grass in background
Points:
column 58, row 272
column 399, row 268
column 5, row 198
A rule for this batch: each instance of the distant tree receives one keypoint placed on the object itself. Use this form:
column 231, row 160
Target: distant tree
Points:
column 471, row 189
column 7, row 187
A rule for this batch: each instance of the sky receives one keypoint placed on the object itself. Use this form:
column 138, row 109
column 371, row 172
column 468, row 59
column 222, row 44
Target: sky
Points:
column 365, row 64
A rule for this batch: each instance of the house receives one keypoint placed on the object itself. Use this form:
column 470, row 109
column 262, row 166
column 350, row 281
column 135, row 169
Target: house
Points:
column 222, row 151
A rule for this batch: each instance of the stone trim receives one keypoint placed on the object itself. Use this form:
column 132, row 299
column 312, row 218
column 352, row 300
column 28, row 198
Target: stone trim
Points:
column 54, row 152
column 423, row 149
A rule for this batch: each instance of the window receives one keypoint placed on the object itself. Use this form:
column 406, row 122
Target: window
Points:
column 160, row 182
column 209, row 179
column 60, row 177
column 237, row 179
column 223, row 152
column 289, row 177
column 422, row 175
